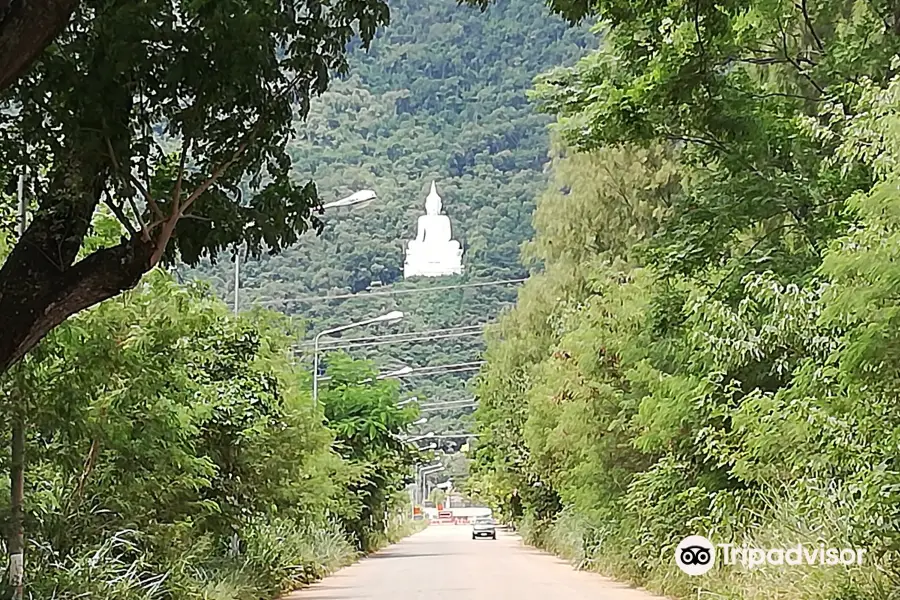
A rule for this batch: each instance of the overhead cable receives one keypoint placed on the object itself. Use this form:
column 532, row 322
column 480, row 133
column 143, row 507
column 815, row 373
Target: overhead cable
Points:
column 395, row 335
column 390, row 292
column 427, row 338
column 448, row 406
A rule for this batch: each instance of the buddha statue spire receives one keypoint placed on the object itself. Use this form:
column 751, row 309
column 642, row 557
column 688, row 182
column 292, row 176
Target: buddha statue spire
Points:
column 433, row 196
column 433, row 253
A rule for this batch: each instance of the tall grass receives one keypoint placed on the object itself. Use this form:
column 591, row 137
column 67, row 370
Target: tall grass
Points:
column 807, row 515
column 275, row 557
column 117, row 569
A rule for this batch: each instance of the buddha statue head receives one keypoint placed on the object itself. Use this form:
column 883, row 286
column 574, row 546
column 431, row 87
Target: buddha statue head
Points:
column 433, row 202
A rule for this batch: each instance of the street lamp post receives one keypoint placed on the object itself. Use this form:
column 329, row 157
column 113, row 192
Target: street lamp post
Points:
column 420, row 473
column 395, row 315
column 398, row 373
column 358, row 198
column 424, row 480
column 353, row 199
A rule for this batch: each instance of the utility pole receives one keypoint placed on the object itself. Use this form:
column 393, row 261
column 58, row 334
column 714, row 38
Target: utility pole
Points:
column 17, row 466
column 237, row 280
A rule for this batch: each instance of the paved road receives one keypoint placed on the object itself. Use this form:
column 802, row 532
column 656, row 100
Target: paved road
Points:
column 444, row 563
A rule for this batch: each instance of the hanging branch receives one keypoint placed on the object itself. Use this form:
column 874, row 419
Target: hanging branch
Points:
column 794, row 62
column 178, row 209
column 145, row 233
column 185, row 148
column 119, row 213
column 804, row 8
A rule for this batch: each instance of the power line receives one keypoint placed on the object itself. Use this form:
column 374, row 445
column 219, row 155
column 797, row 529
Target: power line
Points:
column 400, row 341
column 390, row 292
column 471, row 363
column 448, row 406
column 460, row 370
column 430, row 370
column 323, row 345
column 446, row 402
column 393, row 335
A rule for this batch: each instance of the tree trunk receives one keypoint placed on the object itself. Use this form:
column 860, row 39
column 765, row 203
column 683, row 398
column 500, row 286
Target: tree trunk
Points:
column 26, row 28
column 41, row 285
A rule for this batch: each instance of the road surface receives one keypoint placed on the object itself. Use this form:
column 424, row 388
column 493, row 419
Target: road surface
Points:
column 445, row 563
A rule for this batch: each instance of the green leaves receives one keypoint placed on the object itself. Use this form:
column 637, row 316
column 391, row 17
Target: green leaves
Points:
column 363, row 413
column 162, row 414
column 710, row 344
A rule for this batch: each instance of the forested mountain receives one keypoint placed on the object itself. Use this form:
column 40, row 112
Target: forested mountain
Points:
column 440, row 96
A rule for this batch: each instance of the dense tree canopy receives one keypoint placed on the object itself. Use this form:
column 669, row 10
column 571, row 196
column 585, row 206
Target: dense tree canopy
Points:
column 26, row 28
column 708, row 347
column 176, row 116
column 162, row 431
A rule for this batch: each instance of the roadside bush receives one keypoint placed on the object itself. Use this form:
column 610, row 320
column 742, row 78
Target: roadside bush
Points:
column 168, row 429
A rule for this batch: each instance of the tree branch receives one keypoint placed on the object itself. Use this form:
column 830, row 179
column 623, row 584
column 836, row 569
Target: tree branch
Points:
column 697, row 28
column 196, row 217
column 145, row 232
column 56, row 296
column 766, row 60
column 89, row 462
column 151, row 203
column 218, row 172
column 26, row 28
column 145, row 193
column 793, row 62
column 120, row 215
column 176, row 195
column 803, row 6
column 708, row 142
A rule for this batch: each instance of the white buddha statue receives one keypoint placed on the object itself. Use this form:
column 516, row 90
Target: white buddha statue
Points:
column 433, row 253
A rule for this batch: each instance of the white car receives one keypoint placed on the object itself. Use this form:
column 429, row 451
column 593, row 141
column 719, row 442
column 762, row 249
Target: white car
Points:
column 484, row 527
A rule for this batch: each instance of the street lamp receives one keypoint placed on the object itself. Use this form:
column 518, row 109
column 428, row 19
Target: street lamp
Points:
column 394, row 315
column 430, row 434
column 420, row 470
column 408, row 400
column 360, row 197
column 355, row 198
column 423, row 475
column 421, row 421
column 397, row 373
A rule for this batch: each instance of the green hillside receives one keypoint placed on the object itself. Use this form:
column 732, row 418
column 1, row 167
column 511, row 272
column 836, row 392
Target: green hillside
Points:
column 441, row 95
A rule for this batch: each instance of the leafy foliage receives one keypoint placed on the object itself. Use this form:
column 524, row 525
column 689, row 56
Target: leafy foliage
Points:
column 175, row 115
column 708, row 346
column 162, row 429
column 366, row 419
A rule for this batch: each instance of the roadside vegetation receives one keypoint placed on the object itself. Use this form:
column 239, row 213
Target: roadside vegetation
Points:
column 708, row 343
column 173, row 452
